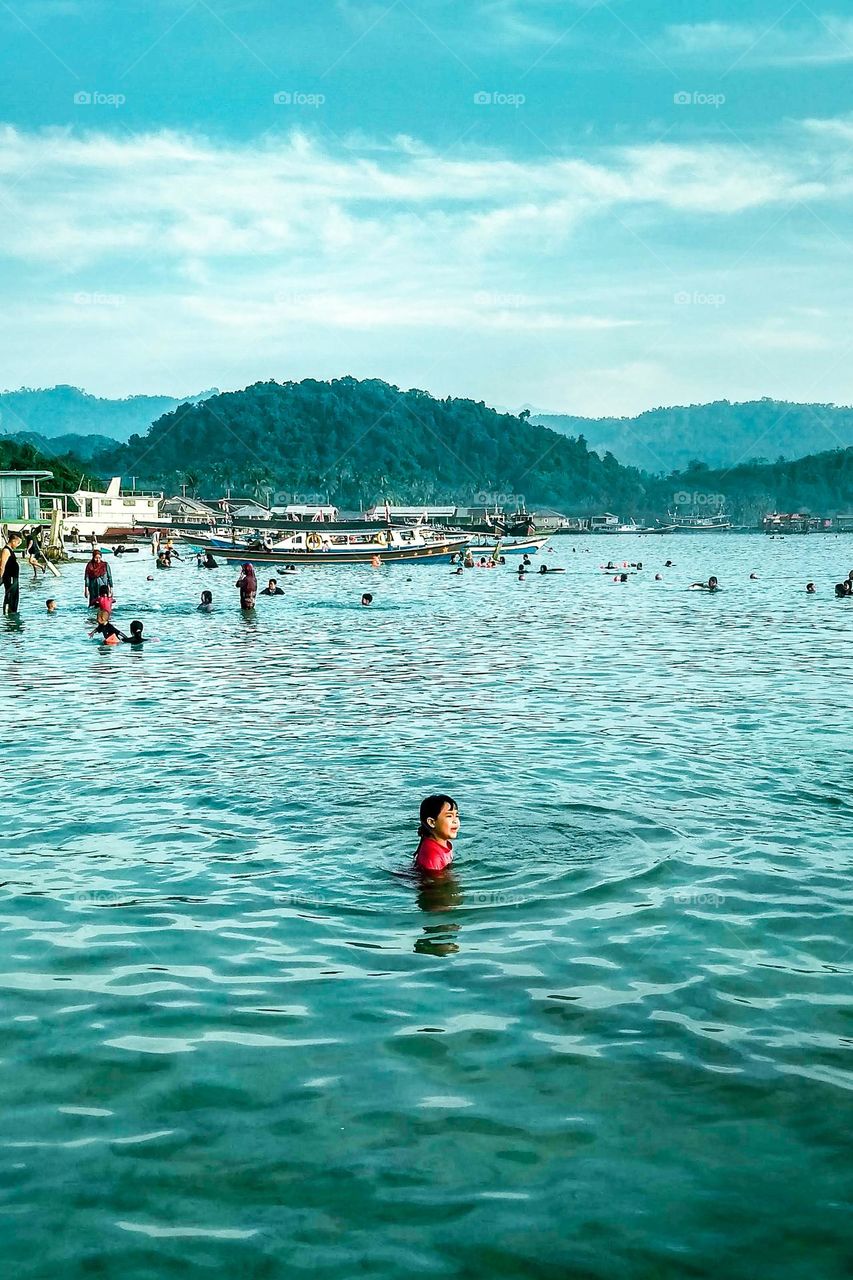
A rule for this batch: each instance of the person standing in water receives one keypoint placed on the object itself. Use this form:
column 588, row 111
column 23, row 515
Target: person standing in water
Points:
column 10, row 572
column 439, row 825
column 248, row 584
column 98, row 579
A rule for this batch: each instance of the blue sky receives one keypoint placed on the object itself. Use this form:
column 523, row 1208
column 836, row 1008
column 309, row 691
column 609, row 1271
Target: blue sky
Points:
column 588, row 207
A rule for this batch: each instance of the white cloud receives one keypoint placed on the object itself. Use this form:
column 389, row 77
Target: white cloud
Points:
column 211, row 262
column 788, row 40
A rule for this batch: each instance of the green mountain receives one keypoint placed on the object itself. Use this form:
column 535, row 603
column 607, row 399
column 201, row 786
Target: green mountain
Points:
column 63, row 410
column 15, row 456
column 84, row 447
column 358, row 442
column 361, row 441
column 721, row 434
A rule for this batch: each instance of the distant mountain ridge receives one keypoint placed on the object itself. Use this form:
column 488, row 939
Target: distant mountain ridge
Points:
column 65, row 410
column 720, row 434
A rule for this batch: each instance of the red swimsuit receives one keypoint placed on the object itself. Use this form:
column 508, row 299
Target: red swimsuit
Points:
column 432, row 855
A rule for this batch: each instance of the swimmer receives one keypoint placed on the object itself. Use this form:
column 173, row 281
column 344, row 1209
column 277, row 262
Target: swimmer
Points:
column 136, row 637
column 105, row 629
column 208, row 562
column 272, row 589
column 50, row 605
column 367, row 599
column 658, row 577
column 841, row 589
column 623, row 577
column 457, row 571
column 753, row 577
column 710, row 585
column 206, row 605
column 543, row 568
column 810, row 588
column 439, row 824
column 668, row 565
column 526, row 560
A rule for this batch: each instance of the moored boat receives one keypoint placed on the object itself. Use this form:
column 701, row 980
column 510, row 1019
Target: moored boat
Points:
column 356, row 546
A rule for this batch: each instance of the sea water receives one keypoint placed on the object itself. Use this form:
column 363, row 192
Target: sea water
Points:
column 616, row 1043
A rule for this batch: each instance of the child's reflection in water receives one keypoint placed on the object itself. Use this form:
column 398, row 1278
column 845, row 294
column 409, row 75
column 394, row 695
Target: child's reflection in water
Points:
column 439, row 893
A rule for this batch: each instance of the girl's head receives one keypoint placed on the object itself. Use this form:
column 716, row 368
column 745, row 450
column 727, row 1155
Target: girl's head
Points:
column 439, row 817
column 136, row 629
column 103, row 615
column 207, row 597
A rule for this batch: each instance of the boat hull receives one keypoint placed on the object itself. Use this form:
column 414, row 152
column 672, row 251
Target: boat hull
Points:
column 508, row 546
column 441, row 552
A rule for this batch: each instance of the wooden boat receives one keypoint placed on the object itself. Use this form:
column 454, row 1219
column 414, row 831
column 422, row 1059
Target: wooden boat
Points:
column 357, row 546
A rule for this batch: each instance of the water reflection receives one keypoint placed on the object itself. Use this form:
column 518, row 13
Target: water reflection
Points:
column 439, row 893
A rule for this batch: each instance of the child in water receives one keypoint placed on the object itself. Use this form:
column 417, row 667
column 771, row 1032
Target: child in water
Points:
column 439, row 824
column 136, row 637
column 206, row 605
column 105, row 629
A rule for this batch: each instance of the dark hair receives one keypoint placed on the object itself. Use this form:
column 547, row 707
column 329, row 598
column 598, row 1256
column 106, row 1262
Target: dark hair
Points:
column 543, row 568
column 207, row 597
column 840, row 589
column 136, row 628
column 431, row 807
column 367, row 598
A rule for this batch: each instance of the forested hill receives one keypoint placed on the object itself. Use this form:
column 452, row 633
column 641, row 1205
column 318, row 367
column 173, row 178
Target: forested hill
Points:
column 721, row 434
column 63, row 411
column 361, row 441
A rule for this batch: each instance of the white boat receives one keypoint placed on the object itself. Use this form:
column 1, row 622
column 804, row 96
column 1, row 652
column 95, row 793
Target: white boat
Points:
column 116, row 513
column 313, row 546
column 480, row 546
column 718, row 523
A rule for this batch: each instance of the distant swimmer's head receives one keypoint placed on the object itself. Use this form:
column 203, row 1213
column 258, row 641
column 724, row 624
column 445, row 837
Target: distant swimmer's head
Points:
column 668, row 564
column 103, row 616
column 272, row 583
column 136, row 629
column 753, row 577
column 207, row 597
column 712, row 583
column 811, row 588
column 367, row 598
column 543, row 568
column 50, row 606
column 150, row 577
column 658, row 577
column 439, row 817
column 623, row 577
column 840, row 589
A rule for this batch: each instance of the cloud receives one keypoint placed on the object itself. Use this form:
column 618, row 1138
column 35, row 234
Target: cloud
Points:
column 208, row 261
column 820, row 39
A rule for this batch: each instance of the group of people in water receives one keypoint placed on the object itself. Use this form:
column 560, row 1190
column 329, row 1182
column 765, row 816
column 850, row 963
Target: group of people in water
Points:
column 98, row 579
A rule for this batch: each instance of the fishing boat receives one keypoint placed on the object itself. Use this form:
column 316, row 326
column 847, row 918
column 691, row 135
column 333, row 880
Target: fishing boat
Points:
column 718, row 523
column 355, row 546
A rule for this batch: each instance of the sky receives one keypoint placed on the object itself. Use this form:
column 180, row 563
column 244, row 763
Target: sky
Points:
column 585, row 207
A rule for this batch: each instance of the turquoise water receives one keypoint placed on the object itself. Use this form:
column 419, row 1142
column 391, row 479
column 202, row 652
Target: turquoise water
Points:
column 617, row 1044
